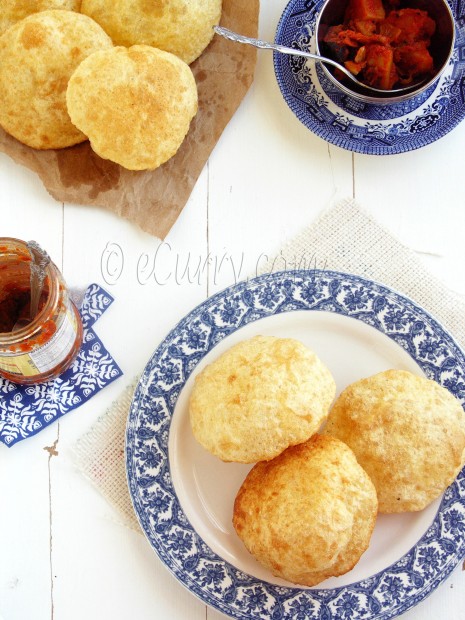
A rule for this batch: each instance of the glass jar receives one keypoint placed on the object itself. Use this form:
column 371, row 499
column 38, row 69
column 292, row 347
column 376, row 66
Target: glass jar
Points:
column 47, row 346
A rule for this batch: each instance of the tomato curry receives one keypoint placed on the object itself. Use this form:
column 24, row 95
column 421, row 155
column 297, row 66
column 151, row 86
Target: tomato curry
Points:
column 382, row 45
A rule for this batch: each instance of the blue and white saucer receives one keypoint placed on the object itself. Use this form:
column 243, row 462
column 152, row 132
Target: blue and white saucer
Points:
column 352, row 124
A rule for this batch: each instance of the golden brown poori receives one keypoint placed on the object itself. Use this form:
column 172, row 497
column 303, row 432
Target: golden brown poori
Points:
column 259, row 397
column 182, row 27
column 134, row 104
column 308, row 514
column 37, row 57
column 407, row 432
column 12, row 11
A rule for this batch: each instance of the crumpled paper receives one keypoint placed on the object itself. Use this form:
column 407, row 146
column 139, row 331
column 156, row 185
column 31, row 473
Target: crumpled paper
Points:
column 154, row 199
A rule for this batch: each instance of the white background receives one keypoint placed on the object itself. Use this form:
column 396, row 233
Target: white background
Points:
column 63, row 551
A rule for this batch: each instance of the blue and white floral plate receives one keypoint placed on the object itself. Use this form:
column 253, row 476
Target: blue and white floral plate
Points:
column 355, row 125
column 184, row 496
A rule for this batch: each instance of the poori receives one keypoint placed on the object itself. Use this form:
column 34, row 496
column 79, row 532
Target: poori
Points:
column 37, row 57
column 134, row 104
column 407, row 432
column 259, row 397
column 182, row 27
column 308, row 514
column 12, row 11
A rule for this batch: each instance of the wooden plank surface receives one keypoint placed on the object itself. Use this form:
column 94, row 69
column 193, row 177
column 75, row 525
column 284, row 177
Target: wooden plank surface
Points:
column 64, row 554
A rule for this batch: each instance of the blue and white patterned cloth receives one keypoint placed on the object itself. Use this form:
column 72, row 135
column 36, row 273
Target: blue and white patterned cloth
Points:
column 27, row 409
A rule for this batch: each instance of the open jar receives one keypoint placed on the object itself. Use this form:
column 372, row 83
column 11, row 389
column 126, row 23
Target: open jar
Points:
column 47, row 346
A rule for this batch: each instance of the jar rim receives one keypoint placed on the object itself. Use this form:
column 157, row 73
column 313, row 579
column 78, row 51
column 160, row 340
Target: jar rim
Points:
column 8, row 338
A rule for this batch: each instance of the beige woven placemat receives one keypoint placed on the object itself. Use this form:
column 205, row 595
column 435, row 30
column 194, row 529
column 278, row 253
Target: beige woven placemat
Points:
column 344, row 238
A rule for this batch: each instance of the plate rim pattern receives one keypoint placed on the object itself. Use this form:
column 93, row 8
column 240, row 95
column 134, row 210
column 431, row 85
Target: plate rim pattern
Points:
column 443, row 110
column 216, row 582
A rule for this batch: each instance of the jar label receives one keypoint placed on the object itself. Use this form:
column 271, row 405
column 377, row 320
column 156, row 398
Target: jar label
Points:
column 47, row 356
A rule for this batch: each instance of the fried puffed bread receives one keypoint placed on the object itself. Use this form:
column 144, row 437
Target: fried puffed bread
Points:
column 12, row 11
column 406, row 431
column 308, row 514
column 135, row 105
column 261, row 396
column 37, row 57
column 182, row 27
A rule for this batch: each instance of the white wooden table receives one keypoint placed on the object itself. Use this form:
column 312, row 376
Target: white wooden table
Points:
column 63, row 552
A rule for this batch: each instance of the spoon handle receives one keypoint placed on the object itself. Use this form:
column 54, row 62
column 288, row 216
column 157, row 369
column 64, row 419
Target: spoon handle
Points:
column 39, row 261
column 234, row 36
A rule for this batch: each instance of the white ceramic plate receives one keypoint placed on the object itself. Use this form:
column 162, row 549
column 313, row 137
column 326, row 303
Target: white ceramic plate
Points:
column 184, row 496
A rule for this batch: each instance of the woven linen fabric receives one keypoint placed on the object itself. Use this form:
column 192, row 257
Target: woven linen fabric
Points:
column 99, row 454
column 25, row 410
column 344, row 238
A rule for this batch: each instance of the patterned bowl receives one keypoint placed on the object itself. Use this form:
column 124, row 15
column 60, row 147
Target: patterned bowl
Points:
column 442, row 45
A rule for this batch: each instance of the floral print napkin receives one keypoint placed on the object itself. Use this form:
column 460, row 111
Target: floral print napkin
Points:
column 27, row 409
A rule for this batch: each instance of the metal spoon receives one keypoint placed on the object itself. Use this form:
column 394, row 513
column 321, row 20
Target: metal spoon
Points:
column 39, row 261
column 233, row 36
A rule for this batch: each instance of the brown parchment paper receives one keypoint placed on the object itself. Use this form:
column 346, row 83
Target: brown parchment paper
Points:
column 154, row 199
